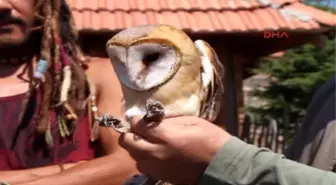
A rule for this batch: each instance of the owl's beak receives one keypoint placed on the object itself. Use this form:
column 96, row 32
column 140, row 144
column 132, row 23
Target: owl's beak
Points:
column 138, row 79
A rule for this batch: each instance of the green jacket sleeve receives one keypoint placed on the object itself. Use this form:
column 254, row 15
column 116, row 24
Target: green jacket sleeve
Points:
column 238, row 163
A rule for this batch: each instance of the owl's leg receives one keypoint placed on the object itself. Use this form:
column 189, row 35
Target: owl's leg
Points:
column 120, row 125
column 155, row 111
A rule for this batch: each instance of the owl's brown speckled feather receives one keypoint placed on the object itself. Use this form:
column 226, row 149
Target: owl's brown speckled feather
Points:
column 211, row 103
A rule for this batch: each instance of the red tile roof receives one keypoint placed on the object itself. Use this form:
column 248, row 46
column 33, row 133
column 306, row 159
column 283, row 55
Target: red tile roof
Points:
column 200, row 15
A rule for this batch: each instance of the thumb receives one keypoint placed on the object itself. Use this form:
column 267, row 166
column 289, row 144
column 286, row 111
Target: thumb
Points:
column 135, row 120
column 151, row 131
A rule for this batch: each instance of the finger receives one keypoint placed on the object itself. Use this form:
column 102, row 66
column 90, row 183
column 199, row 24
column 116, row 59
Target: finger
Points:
column 134, row 143
column 154, row 132
column 136, row 119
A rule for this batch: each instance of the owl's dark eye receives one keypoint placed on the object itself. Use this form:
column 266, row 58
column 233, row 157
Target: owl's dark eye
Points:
column 150, row 58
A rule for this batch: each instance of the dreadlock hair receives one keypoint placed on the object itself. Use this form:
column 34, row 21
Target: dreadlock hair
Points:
column 60, row 73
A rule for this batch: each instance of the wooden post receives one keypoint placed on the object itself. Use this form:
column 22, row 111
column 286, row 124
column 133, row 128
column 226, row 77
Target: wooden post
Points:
column 230, row 100
column 239, row 62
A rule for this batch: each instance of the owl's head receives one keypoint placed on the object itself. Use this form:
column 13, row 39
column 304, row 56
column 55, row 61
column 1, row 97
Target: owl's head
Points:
column 146, row 57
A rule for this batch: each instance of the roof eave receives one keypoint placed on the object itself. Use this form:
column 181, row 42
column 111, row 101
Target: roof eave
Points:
column 321, row 29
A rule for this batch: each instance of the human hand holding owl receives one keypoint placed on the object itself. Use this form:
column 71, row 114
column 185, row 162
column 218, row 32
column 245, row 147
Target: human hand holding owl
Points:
column 178, row 150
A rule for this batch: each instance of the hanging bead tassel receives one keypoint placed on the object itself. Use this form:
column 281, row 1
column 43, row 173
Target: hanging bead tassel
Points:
column 57, row 64
column 71, row 113
column 95, row 125
column 42, row 67
column 65, row 84
column 49, row 137
column 64, row 91
column 62, row 126
column 92, row 112
column 63, row 129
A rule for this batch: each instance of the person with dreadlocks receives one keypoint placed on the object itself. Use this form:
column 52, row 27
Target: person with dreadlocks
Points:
column 50, row 97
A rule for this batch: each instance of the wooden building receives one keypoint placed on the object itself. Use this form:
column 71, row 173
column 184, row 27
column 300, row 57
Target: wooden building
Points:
column 235, row 28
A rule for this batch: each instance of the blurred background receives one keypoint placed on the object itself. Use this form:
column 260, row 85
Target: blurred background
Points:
column 269, row 81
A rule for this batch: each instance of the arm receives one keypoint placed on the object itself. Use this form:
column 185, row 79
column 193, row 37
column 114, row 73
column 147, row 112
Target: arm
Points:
column 117, row 165
column 112, row 169
column 20, row 176
column 240, row 163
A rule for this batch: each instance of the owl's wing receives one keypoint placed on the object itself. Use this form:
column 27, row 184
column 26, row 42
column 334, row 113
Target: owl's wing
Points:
column 212, row 81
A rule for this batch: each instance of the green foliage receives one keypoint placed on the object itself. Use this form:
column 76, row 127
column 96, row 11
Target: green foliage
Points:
column 327, row 5
column 297, row 75
column 326, row 8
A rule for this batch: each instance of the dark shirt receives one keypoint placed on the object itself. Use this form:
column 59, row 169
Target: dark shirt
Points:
column 21, row 147
column 315, row 142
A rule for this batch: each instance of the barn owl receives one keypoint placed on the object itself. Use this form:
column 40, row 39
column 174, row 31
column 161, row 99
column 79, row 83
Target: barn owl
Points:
column 163, row 73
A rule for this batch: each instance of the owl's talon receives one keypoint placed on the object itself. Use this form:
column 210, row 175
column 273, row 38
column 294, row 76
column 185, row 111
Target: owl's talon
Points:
column 155, row 111
column 110, row 121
